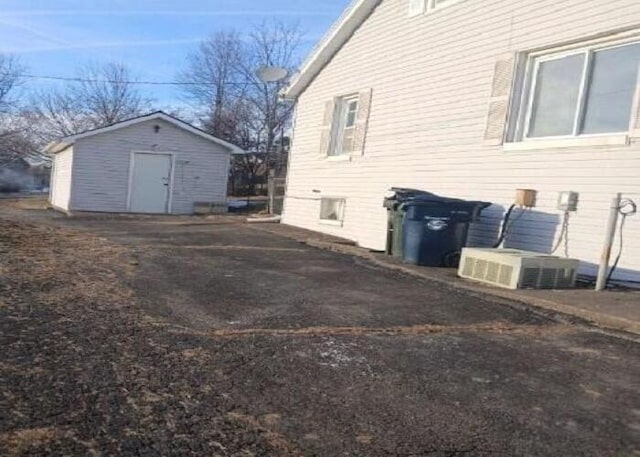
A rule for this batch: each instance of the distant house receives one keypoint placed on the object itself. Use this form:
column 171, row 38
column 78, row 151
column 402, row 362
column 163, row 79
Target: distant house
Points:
column 23, row 174
column 151, row 164
column 472, row 99
column 14, row 175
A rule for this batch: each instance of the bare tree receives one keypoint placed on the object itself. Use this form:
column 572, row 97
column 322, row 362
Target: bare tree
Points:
column 221, row 82
column 213, row 81
column 108, row 95
column 11, row 77
column 60, row 113
column 272, row 44
column 102, row 95
column 14, row 139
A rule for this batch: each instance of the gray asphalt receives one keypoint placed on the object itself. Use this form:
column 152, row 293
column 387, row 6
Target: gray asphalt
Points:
column 326, row 355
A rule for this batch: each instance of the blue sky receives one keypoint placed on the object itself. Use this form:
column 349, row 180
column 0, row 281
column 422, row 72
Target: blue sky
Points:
column 152, row 37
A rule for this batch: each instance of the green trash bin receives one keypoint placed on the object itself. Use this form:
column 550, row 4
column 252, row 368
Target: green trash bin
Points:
column 395, row 218
column 394, row 231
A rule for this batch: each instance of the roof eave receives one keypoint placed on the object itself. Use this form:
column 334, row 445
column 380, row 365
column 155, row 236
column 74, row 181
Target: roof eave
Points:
column 57, row 146
column 342, row 30
column 64, row 143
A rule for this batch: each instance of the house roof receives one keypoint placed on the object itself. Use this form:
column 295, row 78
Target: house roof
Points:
column 63, row 143
column 339, row 33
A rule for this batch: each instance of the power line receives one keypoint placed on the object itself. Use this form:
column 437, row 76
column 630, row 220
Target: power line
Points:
column 110, row 81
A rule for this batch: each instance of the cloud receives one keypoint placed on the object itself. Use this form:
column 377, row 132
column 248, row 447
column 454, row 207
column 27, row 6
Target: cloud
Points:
column 37, row 32
column 95, row 45
column 38, row 39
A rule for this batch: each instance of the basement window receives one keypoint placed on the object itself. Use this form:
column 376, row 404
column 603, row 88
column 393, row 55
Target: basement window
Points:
column 332, row 210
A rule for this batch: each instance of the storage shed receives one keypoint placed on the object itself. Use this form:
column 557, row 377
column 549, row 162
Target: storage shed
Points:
column 154, row 164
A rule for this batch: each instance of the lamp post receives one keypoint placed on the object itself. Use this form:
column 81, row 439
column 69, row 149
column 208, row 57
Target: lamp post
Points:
column 271, row 75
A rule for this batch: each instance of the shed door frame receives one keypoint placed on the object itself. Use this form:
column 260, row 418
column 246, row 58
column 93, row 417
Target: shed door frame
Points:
column 172, row 161
column 52, row 181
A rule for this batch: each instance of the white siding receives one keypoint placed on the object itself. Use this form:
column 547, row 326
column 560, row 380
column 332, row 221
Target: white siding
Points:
column 431, row 77
column 61, row 179
column 101, row 167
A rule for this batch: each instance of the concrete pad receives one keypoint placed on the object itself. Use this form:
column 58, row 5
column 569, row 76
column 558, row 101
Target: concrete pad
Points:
column 616, row 310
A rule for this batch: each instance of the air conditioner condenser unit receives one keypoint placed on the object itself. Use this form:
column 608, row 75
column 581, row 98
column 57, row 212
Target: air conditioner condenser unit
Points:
column 516, row 269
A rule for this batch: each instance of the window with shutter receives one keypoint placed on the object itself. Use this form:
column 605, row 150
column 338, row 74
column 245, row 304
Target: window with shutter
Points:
column 362, row 121
column 583, row 91
column 499, row 103
column 349, row 121
column 342, row 138
column 326, row 133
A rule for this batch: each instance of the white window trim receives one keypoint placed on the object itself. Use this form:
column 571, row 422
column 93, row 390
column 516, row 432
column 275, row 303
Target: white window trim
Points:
column 339, row 158
column 339, row 126
column 431, row 7
column 330, row 222
column 419, row 11
column 559, row 143
column 336, row 223
column 520, row 127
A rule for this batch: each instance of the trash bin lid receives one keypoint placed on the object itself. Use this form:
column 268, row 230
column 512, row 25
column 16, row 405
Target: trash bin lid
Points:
column 401, row 195
column 427, row 197
column 405, row 197
column 404, row 194
column 434, row 200
column 406, row 190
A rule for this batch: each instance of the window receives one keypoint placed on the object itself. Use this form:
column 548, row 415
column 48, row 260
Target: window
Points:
column 439, row 3
column 344, row 126
column 417, row 7
column 589, row 91
column 332, row 210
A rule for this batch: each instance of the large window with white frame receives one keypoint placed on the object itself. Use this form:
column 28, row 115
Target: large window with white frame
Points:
column 344, row 127
column 579, row 92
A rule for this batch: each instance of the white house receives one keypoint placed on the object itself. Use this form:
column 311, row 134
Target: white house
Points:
column 150, row 164
column 472, row 99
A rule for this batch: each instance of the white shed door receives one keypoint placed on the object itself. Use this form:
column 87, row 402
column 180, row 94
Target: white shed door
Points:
column 150, row 183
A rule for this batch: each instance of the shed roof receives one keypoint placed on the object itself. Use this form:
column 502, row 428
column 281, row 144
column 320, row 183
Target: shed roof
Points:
column 64, row 143
column 339, row 33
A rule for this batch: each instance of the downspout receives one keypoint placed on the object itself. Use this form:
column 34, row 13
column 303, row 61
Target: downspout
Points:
column 612, row 223
column 294, row 119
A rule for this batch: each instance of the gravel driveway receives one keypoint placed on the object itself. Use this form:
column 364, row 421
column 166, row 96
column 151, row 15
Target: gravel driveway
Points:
column 157, row 337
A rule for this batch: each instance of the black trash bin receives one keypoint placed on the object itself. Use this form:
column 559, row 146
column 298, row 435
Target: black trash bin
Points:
column 435, row 229
column 395, row 217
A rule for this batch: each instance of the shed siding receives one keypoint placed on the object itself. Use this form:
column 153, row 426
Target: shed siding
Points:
column 431, row 77
column 101, row 170
column 61, row 179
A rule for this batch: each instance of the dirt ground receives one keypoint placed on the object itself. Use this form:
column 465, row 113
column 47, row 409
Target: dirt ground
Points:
column 169, row 336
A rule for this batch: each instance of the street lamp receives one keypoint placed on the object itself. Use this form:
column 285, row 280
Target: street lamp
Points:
column 272, row 75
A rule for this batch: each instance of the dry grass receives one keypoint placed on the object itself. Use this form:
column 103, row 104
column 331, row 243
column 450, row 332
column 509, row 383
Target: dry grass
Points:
column 30, row 203
column 18, row 441
column 491, row 327
column 56, row 265
column 277, row 442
